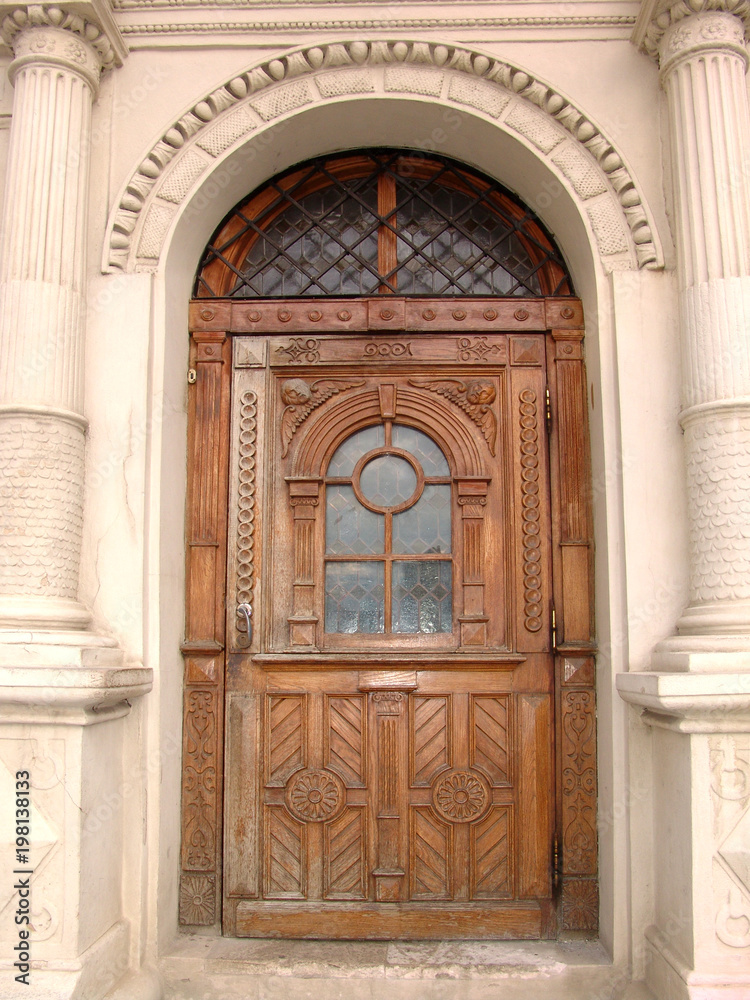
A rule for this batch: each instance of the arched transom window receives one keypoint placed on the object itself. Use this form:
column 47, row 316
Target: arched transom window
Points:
column 381, row 222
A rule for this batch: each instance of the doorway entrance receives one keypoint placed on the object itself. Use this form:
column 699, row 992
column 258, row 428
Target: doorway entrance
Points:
column 389, row 613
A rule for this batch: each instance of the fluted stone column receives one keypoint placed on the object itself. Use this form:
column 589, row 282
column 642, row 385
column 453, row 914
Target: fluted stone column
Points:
column 55, row 73
column 65, row 693
column 696, row 697
column 703, row 64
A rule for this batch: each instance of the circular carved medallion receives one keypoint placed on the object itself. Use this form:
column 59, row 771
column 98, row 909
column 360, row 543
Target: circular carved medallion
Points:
column 315, row 795
column 460, row 796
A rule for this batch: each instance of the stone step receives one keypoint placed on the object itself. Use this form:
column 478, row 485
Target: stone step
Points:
column 204, row 968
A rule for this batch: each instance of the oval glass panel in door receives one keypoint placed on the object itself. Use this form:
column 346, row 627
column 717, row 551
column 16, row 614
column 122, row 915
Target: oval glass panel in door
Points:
column 388, row 556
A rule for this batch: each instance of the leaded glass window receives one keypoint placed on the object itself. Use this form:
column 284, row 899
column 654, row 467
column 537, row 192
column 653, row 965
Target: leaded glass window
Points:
column 389, row 567
column 381, row 222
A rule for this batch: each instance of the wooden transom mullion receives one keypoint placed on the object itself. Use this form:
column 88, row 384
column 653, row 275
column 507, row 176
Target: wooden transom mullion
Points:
column 388, row 574
column 387, row 238
column 331, row 234
column 487, row 251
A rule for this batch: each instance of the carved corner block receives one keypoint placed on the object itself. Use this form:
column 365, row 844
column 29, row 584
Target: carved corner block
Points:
column 580, row 905
column 197, row 900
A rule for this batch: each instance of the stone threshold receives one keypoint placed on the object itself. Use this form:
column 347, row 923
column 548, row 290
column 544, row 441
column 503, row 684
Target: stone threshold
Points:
column 208, row 968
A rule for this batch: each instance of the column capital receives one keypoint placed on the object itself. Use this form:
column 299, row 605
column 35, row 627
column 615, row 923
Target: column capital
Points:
column 658, row 19
column 97, row 38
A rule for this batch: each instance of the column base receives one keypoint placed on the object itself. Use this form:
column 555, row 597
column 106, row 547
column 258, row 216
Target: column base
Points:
column 669, row 978
column 89, row 976
column 730, row 619
column 43, row 613
column 703, row 654
column 71, row 678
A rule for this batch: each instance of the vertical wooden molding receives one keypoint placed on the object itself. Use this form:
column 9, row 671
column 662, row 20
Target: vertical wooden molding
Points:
column 578, row 788
column 389, row 873
column 208, row 456
column 530, row 527
column 576, row 697
column 472, row 499
column 304, row 497
column 570, row 427
column 245, row 582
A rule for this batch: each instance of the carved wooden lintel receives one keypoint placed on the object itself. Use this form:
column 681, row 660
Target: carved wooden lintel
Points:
column 478, row 316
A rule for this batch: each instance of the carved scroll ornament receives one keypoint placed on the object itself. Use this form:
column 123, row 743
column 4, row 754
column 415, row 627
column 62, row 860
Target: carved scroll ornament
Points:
column 475, row 398
column 302, row 398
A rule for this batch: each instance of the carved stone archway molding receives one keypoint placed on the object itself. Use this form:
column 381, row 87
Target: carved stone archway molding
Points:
column 303, row 78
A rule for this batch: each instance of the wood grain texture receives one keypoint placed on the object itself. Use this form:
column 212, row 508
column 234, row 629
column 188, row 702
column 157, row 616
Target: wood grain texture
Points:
column 347, row 738
column 206, row 532
column 383, row 922
column 491, row 736
column 430, row 738
column 492, row 855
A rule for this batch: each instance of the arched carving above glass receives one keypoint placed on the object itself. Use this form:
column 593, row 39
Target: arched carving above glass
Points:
column 381, row 222
column 389, row 567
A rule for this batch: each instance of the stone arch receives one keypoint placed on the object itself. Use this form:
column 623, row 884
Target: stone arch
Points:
column 455, row 77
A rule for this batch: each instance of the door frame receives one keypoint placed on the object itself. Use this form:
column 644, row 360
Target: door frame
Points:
column 212, row 326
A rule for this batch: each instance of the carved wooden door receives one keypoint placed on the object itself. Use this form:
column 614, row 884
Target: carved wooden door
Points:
column 409, row 721
column 394, row 521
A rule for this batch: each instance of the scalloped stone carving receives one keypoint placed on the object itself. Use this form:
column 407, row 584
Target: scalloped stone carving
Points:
column 506, row 94
column 41, row 505
column 90, row 33
column 717, row 446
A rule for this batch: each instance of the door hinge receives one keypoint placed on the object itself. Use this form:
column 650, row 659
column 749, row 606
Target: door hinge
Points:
column 548, row 409
column 555, row 862
column 554, row 629
column 192, row 376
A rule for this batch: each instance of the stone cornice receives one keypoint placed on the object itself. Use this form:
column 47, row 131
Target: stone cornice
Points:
column 687, row 702
column 657, row 16
column 487, row 85
column 430, row 23
column 70, row 695
column 90, row 20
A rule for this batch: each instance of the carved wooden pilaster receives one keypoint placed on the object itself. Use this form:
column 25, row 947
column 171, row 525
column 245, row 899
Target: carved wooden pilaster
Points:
column 389, row 697
column 573, row 599
column 577, row 852
column 577, row 847
column 304, row 498
column 472, row 499
column 203, row 648
column 390, row 870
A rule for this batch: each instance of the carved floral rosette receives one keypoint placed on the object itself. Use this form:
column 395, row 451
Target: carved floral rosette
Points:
column 315, row 795
column 461, row 796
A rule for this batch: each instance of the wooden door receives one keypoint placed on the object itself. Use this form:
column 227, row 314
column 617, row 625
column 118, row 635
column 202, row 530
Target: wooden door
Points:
column 399, row 538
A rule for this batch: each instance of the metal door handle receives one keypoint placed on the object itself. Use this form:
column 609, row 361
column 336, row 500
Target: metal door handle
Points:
column 246, row 610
